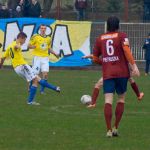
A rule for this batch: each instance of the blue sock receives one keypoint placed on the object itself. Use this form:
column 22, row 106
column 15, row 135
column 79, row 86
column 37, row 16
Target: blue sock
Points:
column 42, row 87
column 46, row 84
column 30, row 84
column 32, row 94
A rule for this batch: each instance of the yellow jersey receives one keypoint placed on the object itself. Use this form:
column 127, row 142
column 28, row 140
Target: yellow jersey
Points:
column 42, row 45
column 15, row 55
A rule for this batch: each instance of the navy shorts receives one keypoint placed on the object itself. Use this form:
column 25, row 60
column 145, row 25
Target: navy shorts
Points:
column 118, row 85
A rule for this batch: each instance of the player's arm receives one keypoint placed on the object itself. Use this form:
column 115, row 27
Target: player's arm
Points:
column 5, row 55
column 95, row 59
column 88, row 56
column 17, row 46
column 51, row 51
column 130, row 59
column 128, row 54
column 32, row 42
column 31, row 46
column 2, row 61
column 97, row 52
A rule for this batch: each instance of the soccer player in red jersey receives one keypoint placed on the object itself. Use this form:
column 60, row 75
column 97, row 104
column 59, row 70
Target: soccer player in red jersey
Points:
column 113, row 47
column 98, row 85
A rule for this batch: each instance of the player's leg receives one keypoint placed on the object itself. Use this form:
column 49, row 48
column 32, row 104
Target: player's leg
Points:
column 44, row 83
column 118, row 113
column 44, row 71
column 136, row 89
column 30, row 76
column 95, row 93
column 146, row 67
column 27, row 73
column 32, row 93
column 44, row 77
column 36, row 69
column 121, row 88
column 109, row 89
column 35, row 81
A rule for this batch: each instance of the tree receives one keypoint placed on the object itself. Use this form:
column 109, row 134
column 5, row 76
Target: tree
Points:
column 114, row 5
column 47, row 4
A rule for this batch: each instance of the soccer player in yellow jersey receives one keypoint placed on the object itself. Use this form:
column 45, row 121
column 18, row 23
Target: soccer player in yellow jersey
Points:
column 21, row 67
column 41, row 45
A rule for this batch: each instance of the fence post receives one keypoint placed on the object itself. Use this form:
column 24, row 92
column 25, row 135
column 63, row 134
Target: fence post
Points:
column 58, row 9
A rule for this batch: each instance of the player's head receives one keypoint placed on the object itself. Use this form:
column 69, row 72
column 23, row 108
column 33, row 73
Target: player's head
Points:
column 21, row 37
column 112, row 24
column 42, row 29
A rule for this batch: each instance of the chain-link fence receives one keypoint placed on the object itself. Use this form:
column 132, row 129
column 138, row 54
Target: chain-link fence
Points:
column 99, row 10
column 137, row 32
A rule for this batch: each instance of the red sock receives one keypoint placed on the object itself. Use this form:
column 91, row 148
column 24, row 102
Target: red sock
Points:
column 95, row 95
column 135, row 89
column 108, row 115
column 118, row 113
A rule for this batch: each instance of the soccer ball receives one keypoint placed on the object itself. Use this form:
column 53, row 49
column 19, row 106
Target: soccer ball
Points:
column 86, row 99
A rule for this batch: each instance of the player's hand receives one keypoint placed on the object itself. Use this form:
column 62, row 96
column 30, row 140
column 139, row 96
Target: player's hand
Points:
column 135, row 71
column 17, row 46
column 88, row 56
column 33, row 47
column 57, row 56
column 1, row 63
column 83, row 57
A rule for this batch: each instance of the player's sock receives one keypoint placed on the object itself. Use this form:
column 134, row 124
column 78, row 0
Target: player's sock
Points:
column 46, row 84
column 32, row 94
column 30, row 84
column 42, row 87
column 118, row 113
column 95, row 95
column 108, row 115
column 135, row 89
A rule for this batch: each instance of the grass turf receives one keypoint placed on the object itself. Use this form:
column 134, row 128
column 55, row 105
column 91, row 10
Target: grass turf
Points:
column 61, row 122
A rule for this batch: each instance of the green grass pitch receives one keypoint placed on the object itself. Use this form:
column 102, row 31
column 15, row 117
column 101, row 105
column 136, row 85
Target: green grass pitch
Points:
column 61, row 122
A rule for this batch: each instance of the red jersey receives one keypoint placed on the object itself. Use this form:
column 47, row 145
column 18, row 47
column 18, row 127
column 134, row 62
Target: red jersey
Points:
column 110, row 47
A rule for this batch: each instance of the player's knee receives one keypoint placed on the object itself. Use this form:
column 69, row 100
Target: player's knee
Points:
column 35, row 81
column 45, row 75
column 121, row 99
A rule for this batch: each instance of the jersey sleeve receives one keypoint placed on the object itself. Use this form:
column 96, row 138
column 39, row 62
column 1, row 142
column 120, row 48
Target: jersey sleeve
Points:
column 126, row 48
column 96, row 49
column 124, row 40
column 33, row 39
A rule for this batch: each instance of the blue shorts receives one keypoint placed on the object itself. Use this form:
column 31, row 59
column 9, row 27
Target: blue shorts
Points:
column 118, row 85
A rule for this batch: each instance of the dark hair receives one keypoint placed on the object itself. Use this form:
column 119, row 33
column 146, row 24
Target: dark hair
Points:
column 21, row 35
column 42, row 25
column 112, row 23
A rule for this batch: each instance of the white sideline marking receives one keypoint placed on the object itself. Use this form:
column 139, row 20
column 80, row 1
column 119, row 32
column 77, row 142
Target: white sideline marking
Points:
column 62, row 109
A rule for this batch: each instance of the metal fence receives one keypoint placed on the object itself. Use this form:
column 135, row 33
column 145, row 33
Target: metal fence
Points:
column 98, row 10
column 137, row 32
